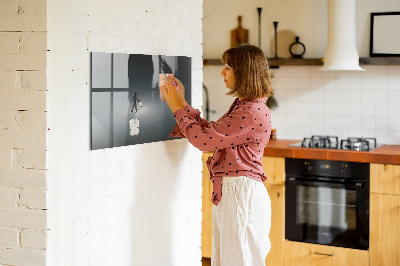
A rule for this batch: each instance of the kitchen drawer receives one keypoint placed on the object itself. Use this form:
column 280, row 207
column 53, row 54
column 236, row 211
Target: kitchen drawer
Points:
column 305, row 254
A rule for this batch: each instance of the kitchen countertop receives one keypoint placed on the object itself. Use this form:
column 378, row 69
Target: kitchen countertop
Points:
column 389, row 154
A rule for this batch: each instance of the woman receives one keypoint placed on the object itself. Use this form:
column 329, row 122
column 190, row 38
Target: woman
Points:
column 242, row 208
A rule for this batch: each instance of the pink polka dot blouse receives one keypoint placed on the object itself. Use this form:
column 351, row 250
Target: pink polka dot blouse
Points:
column 238, row 139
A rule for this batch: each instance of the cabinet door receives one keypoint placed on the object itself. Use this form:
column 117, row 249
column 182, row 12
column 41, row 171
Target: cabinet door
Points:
column 384, row 230
column 385, row 178
column 206, row 226
column 304, row 254
column 277, row 233
column 274, row 168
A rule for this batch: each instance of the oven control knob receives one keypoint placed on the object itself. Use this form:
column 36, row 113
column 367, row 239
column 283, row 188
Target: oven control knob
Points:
column 308, row 166
column 343, row 168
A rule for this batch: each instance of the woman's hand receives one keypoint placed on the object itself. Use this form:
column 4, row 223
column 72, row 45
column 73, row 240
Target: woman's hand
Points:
column 181, row 91
column 172, row 95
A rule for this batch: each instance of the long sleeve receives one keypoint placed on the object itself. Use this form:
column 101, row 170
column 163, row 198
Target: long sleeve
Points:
column 238, row 140
column 231, row 130
column 193, row 113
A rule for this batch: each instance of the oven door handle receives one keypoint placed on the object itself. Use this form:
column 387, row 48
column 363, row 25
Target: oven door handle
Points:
column 357, row 185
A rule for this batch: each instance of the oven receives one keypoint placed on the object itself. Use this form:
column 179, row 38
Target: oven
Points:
column 327, row 202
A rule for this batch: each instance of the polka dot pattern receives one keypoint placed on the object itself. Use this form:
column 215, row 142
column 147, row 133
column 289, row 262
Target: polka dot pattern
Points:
column 238, row 139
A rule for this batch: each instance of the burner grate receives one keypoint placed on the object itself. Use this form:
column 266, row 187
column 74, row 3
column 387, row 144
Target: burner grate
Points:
column 327, row 142
column 358, row 144
column 332, row 142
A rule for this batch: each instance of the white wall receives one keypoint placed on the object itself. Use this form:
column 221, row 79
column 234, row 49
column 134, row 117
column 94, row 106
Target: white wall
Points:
column 306, row 19
column 23, row 133
column 135, row 205
column 343, row 104
column 311, row 102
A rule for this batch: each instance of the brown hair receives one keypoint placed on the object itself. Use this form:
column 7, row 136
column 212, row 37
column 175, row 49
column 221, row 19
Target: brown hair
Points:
column 250, row 66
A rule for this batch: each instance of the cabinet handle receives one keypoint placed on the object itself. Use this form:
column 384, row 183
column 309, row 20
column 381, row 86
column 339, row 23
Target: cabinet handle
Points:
column 324, row 254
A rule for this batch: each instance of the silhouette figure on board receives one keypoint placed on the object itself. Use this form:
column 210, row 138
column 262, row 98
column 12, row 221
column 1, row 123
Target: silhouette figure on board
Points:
column 135, row 101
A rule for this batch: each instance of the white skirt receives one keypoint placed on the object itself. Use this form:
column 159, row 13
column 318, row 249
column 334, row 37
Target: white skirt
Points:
column 241, row 223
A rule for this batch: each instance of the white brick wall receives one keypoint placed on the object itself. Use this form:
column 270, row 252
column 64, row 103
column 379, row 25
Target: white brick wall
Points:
column 8, row 197
column 23, row 218
column 23, row 132
column 9, row 237
column 11, row 256
column 135, row 205
column 108, row 207
column 33, row 239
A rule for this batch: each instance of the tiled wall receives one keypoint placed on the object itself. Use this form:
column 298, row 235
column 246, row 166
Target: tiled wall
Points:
column 313, row 102
column 134, row 205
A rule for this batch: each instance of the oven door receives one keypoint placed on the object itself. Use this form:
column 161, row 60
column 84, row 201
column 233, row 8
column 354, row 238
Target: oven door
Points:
column 327, row 213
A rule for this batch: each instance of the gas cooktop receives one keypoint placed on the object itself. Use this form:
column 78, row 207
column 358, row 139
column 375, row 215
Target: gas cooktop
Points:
column 332, row 142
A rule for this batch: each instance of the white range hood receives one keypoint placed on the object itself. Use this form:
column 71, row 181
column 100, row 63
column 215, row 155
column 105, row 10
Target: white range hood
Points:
column 341, row 51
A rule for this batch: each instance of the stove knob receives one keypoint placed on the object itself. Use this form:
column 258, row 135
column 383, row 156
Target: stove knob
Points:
column 308, row 166
column 343, row 168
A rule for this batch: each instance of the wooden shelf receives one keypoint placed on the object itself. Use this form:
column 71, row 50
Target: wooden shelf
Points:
column 212, row 62
column 273, row 63
column 380, row 61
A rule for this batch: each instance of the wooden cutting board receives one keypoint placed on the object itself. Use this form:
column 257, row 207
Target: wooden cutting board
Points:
column 239, row 35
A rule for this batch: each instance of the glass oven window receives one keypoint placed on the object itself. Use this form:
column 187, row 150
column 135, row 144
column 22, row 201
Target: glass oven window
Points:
column 326, row 207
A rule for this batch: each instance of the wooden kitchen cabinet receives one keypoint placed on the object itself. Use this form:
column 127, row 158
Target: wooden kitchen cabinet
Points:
column 384, row 236
column 274, row 168
column 385, row 178
column 277, row 233
column 305, row 254
column 384, row 215
column 206, row 225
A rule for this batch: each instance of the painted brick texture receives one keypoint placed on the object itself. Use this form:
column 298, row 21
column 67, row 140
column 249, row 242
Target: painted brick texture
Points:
column 93, row 198
column 135, row 205
column 33, row 239
column 9, row 237
column 23, row 132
